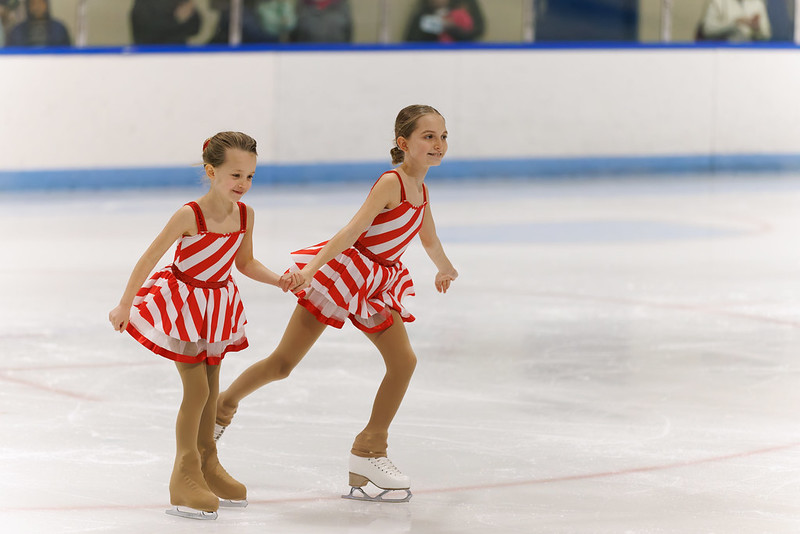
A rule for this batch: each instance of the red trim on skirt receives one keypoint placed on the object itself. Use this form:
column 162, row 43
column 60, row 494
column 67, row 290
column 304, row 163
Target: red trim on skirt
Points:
column 183, row 358
column 330, row 321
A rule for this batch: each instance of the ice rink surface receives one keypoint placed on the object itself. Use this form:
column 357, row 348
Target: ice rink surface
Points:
column 618, row 356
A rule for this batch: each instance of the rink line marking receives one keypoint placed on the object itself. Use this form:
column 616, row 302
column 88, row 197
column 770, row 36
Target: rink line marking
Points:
column 49, row 389
column 36, row 385
column 620, row 472
column 78, row 366
column 456, row 489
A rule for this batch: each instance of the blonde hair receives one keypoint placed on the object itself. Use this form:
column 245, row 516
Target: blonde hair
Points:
column 405, row 124
column 214, row 148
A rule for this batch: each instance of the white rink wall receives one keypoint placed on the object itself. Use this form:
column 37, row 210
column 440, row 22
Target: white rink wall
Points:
column 117, row 110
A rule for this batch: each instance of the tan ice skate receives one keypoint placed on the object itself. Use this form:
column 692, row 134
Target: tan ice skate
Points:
column 189, row 493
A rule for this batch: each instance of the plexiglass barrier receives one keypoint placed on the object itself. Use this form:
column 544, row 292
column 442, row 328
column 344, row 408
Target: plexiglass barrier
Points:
column 115, row 23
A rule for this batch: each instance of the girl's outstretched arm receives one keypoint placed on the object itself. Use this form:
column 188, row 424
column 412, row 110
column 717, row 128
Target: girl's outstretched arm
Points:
column 430, row 241
column 383, row 192
column 251, row 267
column 182, row 222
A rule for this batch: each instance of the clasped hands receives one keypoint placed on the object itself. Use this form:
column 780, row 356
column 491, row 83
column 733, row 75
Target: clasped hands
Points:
column 294, row 281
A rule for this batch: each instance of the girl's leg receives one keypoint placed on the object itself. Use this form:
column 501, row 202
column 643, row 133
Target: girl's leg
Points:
column 219, row 481
column 187, row 487
column 301, row 333
column 400, row 361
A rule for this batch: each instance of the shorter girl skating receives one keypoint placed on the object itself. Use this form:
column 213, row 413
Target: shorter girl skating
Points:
column 357, row 275
column 190, row 312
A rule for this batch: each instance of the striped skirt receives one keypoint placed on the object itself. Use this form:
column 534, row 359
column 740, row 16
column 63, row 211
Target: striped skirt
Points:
column 353, row 286
column 188, row 323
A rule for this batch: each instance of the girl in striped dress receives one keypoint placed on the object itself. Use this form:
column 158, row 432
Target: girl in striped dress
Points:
column 357, row 275
column 190, row 312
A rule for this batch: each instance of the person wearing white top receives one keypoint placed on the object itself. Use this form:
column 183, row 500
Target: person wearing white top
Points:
column 736, row 20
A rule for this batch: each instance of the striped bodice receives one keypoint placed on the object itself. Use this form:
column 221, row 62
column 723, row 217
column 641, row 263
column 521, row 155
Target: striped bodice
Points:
column 393, row 229
column 208, row 256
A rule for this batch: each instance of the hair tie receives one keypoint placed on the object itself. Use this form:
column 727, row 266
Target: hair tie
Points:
column 205, row 145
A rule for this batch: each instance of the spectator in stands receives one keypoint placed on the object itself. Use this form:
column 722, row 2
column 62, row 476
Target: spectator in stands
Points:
column 7, row 8
column 253, row 28
column 735, row 20
column 781, row 19
column 278, row 17
column 39, row 28
column 169, row 22
column 446, row 21
column 323, row 21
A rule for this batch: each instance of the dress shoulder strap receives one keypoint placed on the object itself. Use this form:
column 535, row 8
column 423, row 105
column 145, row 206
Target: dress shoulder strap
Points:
column 198, row 215
column 399, row 179
column 243, row 215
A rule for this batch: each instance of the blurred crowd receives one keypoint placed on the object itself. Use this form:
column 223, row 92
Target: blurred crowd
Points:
column 179, row 22
column 30, row 24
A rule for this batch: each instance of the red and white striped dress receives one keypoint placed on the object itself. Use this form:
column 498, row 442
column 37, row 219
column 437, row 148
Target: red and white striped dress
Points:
column 191, row 311
column 365, row 282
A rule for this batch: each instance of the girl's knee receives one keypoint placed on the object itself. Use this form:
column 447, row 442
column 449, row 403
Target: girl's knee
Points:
column 283, row 367
column 402, row 363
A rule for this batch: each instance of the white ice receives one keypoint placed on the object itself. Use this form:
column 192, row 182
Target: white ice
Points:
column 617, row 356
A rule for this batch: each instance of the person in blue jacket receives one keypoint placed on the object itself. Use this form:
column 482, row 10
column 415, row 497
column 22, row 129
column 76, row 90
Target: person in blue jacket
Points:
column 39, row 28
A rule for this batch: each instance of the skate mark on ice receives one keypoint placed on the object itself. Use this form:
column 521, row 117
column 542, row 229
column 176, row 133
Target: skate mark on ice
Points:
column 455, row 489
column 43, row 387
column 7, row 377
column 619, row 472
column 665, row 306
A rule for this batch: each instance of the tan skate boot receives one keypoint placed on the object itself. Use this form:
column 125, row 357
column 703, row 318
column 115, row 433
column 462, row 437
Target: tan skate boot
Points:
column 188, row 491
column 230, row 491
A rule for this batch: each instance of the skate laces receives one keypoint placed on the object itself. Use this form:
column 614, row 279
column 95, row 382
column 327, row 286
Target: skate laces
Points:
column 385, row 465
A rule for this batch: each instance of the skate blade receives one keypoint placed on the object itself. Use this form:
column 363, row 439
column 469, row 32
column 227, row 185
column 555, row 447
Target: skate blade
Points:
column 228, row 503
column 191, row 513
column 358, row 494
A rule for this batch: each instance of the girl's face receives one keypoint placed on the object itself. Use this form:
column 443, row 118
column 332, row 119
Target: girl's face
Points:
column 427, row 144
column 234, row 177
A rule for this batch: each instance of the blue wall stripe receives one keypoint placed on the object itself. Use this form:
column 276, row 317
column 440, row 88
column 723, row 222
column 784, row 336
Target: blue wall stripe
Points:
column 392, row 47
column 127, row 178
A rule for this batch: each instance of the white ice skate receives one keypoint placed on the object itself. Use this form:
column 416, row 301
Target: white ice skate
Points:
column 382, row 473
column 191, row 513
column 218, row 431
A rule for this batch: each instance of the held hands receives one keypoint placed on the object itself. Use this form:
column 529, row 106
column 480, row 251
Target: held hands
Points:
column 294, row 281
column 443, row 280
column 119, row 317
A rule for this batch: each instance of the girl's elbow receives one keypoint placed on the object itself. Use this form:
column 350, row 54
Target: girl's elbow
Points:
column 429, row 242
column 242, row 266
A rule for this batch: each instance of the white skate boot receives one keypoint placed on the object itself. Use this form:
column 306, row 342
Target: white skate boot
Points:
column 382, row 473
column 218, row 431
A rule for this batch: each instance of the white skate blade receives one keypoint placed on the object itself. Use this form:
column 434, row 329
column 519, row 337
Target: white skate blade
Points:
column 358, row 494
column 228, row 503
column 191, row 513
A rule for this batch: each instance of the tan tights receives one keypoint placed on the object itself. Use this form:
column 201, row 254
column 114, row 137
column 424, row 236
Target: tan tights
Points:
column 301, row 333
column 198, row 480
